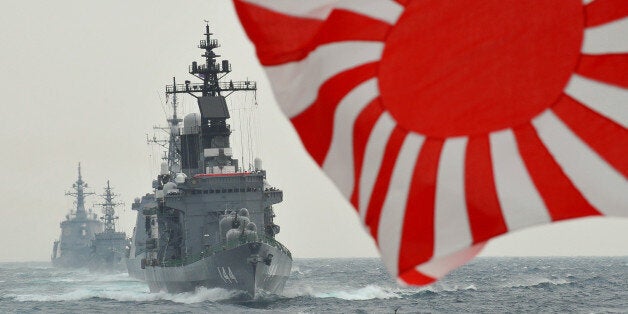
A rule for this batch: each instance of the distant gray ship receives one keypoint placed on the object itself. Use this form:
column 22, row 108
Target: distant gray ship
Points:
column 73, row 249
column 109, row 248
column 201, row 223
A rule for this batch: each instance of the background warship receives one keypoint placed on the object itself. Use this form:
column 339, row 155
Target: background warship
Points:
column 73, row 249
column 201, row 223
column 109, row 248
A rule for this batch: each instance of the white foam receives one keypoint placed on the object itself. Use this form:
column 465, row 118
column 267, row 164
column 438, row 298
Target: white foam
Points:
column 200, row 295
column 369, row 292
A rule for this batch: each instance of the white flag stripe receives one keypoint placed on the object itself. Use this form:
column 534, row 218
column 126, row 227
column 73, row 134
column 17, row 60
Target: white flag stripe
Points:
column 451, row 223
column 296, row 84
column 599, row 183
column 520, row 202
column 606, row 38
column 384, row 10
column 338, row 163
column 394, row 207
column 607, row 100
column 441, row 266
column 373, row 156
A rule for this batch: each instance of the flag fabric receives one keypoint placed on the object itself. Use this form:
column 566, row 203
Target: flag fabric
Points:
column 447, row 123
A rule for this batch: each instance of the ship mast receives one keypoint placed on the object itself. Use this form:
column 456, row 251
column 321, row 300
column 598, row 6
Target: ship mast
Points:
column 79, row 192
column 108, row 209
column 210, row 95
column 173, row 141
column 172, row 155
column 210, row 73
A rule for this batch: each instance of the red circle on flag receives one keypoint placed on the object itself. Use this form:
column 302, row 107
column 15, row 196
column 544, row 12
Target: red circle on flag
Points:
column 460, row 68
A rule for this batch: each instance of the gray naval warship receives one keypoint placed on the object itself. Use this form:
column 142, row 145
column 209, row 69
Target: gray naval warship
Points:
column 109, row 247
column 73, row 249
column 209, row 222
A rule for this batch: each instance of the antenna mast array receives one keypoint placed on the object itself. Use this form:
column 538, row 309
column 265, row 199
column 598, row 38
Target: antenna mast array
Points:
column 108, row 210
column 79, row 192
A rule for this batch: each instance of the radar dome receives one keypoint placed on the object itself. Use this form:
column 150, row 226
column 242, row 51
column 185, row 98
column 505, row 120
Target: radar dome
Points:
column 170, row 187
column 251, row 227
column 225, row 224
column 180, row 178
column 243, row 212
column 233, row 234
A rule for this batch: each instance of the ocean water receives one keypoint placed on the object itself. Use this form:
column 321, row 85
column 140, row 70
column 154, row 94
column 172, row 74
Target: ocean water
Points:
column 486, row 285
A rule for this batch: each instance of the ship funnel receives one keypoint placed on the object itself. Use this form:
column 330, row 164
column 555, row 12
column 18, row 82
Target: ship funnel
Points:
column 164, row 168
column 258, row 164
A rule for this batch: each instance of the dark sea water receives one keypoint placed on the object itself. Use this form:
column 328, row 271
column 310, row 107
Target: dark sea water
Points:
column 486, row 285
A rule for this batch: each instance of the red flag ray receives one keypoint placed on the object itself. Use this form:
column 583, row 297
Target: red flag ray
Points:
column 291, row 37
column 344, row 25
column 383, row 180
column 383, row 10
column 603, row 11
column 361, row 132
column 417, row 241
column 483, row 207
column 597, row 131
column 338, row 163
column 612, row 69
column 415, row 277
column 285, row 39
column 600, row 184
column 373, row 159
column 562, row 199
column 320, row 115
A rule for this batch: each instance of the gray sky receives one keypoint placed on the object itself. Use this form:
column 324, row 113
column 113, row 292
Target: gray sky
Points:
column 84, row 81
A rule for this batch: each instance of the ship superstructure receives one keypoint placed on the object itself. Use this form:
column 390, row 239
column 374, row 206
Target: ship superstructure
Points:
column 210, row 221
column 73, row 249
column 109, row 248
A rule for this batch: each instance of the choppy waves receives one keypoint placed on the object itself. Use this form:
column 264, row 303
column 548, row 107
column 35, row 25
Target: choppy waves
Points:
column 344, row 285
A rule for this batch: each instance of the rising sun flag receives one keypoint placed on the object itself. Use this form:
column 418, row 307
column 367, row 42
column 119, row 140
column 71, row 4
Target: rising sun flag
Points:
column 447, row 123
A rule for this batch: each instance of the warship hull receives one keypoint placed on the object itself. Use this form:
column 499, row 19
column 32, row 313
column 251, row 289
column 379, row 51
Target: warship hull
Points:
column 242, row 268
column 134, row 268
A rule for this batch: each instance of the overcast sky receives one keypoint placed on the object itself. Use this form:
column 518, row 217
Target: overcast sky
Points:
column 84, row 81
